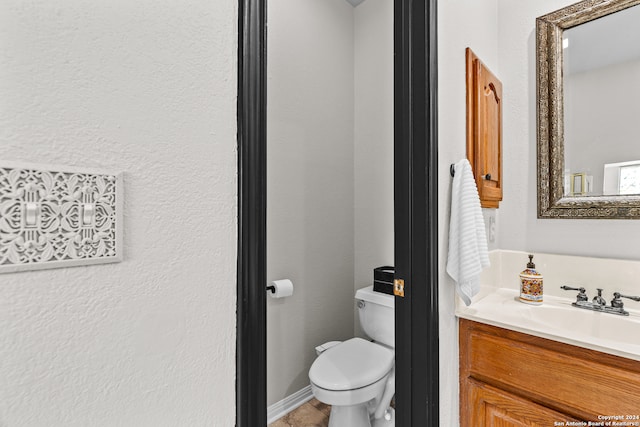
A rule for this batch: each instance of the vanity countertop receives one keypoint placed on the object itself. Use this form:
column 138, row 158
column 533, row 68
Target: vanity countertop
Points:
column 558, row 320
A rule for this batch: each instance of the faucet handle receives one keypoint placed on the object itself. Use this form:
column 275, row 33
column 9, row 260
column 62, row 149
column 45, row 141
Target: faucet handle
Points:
column 582, row 295
column 637, row 299
column 569, row 288
column 617, row 302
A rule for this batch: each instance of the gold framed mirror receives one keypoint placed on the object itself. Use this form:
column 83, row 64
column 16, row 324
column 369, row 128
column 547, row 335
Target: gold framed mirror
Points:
column 587, row 190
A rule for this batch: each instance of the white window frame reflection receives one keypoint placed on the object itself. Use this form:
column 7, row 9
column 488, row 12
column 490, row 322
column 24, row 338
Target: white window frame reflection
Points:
column 629, row 181
column 622, row 178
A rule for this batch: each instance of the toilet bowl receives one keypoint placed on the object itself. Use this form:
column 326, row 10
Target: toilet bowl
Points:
column 357, row 377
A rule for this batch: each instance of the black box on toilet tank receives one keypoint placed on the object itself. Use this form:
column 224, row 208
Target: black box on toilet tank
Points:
column 383, row 279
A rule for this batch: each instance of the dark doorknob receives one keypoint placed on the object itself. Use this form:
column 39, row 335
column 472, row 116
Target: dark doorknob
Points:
column 487, row 176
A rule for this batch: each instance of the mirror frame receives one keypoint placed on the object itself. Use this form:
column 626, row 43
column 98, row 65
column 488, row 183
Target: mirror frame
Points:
column 550, row 118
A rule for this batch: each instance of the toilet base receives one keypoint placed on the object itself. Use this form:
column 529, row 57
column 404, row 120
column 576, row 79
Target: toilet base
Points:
column 358, row 416
column 383, row 421
column 351, row 416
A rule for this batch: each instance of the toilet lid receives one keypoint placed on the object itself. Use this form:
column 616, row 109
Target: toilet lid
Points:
column 353, row 364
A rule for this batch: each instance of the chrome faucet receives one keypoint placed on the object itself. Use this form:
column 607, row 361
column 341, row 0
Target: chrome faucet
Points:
column 598, row 300
column 599, row 303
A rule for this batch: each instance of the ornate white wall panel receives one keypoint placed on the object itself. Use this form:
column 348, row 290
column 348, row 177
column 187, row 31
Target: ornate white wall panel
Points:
column 56, row 216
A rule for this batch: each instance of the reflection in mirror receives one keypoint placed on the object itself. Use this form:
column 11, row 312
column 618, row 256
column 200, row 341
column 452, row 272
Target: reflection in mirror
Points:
column 588, row 98
column 601, row 66
column 622, row 178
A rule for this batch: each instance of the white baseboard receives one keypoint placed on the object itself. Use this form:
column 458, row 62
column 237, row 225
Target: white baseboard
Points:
column 288, row 404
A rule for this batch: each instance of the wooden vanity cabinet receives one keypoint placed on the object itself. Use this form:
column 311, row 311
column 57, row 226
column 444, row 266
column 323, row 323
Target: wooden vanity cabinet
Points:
column 512, row 379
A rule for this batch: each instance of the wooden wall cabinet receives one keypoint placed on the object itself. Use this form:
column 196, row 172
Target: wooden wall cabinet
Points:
column 512, row 379
column 484, row 130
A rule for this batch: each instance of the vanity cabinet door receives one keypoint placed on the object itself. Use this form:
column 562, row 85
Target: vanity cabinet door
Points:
column 504, row 372
column 484, row 130
column 491, row 407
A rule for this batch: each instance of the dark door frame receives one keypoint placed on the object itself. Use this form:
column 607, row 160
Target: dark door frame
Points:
column 416, row 209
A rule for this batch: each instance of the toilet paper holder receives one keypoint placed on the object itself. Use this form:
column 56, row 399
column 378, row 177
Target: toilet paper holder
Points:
column 281, row 288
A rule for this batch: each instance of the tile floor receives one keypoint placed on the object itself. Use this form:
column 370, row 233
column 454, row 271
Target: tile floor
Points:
column 312, row 414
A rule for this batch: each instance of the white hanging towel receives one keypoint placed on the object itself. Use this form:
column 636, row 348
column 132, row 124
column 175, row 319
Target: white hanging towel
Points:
column 468, row 253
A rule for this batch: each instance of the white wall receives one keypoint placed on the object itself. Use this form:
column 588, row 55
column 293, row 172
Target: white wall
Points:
column 373, row 57
column 310, row 184
column 461, row 24
column 519, row 229
column 148, row 88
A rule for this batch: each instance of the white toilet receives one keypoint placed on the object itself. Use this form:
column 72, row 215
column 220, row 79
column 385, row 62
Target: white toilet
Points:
column 357, row 377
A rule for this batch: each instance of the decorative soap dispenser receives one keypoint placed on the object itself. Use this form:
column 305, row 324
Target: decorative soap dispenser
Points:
column 531, row 284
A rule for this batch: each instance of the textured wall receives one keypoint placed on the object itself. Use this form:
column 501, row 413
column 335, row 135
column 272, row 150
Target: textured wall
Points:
column 148, row 88
column 310, row 184
column 462, row 23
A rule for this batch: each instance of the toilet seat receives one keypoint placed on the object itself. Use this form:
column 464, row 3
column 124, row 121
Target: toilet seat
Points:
column 351, row 365
column 349, row 397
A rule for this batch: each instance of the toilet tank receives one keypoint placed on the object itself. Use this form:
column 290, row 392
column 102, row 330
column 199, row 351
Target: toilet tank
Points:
column 376, row 313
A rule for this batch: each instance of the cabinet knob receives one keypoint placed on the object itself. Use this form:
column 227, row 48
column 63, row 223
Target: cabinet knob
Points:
column 487, row 176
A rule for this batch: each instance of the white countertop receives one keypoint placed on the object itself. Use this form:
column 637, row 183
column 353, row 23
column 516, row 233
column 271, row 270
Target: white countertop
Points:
column 558, row 320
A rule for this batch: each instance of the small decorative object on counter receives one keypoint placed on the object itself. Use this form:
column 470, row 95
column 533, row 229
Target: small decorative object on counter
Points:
column 531, row 284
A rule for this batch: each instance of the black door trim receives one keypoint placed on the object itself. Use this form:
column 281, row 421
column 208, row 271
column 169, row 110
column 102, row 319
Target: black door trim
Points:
column 251, row 349
column 416, row 209
column 416, row 212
